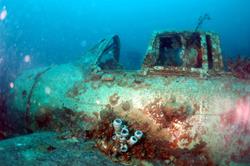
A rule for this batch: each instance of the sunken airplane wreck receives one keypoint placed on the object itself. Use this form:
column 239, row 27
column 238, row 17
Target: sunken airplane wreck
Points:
column 182, row 102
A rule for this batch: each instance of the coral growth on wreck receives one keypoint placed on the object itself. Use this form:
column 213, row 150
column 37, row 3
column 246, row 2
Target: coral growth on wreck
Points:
column 62, row 120
column 235, row 126
column 164, row 114
column 201, row 20
column 240, row 67
column 150, row 147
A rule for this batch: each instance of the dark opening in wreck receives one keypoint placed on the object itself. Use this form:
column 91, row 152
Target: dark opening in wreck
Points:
column 209, row 51
column 184, row 51
column 170, row 48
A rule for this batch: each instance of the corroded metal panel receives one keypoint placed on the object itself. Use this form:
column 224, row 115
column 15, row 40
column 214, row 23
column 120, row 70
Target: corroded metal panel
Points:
column 184, row 50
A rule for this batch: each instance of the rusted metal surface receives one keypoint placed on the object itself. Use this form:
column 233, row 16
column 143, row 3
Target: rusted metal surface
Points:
column 199, row 50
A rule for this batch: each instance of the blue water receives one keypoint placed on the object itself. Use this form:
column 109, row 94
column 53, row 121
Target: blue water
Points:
column 55, row 32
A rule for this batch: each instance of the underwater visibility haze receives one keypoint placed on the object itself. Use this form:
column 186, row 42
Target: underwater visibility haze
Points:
column 142, row 82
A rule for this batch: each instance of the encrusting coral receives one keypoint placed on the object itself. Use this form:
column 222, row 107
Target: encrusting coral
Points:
column 121, row 135
column 240, row 67
column 157, row 132
column 112, row 138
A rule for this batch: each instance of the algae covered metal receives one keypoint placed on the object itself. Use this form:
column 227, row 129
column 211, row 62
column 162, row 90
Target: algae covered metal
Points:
column 181, row 99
